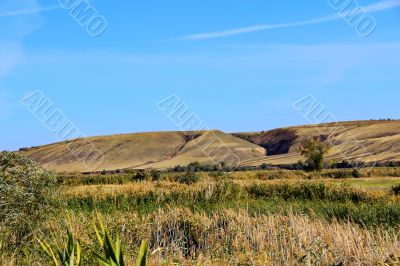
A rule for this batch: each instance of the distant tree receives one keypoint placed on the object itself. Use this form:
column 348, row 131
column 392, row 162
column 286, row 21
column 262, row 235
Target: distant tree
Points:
column 344, row 164
column 179, row 168
column 314, row 150
column 194, row 167
column 217, row 168
column 223, row 166
column 264, row 166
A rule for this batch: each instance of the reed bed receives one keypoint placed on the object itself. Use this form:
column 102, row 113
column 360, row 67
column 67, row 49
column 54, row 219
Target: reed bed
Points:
column 178, row 236
column 273, row 217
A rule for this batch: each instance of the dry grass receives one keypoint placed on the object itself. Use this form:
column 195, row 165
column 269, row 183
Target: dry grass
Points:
column 125, row 189
column 373, row 186
column 235, row 238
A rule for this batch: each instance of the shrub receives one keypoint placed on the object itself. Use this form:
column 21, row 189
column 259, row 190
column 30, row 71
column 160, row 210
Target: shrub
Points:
column 396, row 190
column 194, row 167
column 188, row 178
column 356, row 173
column 26, row 197
column 310, row 191
column 139, row 176
column 155, row 175
column 264, row 166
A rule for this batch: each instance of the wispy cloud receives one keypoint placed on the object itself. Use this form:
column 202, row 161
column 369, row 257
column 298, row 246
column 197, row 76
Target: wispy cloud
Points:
column 28, row 11
column 19, row 19
column 381, row 6
column 11, row 54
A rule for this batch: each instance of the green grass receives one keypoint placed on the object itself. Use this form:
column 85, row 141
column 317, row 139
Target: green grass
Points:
column 307, row 197
column 371, row 183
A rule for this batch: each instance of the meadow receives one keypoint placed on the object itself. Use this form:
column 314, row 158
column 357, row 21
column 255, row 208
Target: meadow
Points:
column 269, row 217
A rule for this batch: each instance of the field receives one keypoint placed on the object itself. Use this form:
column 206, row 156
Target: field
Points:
column 372, row 183
column 274, row 217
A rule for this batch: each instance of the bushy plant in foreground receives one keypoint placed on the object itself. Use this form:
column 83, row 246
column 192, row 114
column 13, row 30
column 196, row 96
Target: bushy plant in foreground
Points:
column 26, row 193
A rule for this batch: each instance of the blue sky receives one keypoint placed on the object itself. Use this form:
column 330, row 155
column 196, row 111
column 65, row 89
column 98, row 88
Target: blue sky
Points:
column 239, row 65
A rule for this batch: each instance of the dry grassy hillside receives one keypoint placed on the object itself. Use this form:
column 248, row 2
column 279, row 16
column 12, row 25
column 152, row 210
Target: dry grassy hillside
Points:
column 120, row 151
column 353, row 141
column 143, row 150
column 198, row 149
column 367, row 141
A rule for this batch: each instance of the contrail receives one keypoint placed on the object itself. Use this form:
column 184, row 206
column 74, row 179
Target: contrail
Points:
column 28, row 11
column 385, row 5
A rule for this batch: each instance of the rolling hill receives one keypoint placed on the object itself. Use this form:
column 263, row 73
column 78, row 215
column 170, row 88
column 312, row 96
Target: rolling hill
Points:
column 366, row 141
column 143, row 150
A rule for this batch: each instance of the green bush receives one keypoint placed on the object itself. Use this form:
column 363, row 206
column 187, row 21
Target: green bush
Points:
column 26, row 198
column 139, row 176
column 356, row 173
column 155, row 175
column 187, row 178
column 310, row 191
column 396, row 190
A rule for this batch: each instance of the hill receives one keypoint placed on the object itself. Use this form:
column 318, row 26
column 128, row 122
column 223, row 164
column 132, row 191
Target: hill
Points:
column 366, row 141
column 144, row 150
